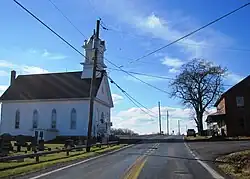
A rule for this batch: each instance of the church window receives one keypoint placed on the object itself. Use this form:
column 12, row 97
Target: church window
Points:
column 17, row 119
column 53, row 119
column 73, row 119
column 102, row 118
column 35, row 119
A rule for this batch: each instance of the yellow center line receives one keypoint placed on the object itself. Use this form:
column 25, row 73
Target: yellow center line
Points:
column 135, row 169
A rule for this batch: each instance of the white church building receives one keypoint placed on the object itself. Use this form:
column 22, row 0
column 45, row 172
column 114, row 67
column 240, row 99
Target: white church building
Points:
column 57, row 104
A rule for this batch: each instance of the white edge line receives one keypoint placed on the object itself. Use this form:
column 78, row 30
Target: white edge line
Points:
column 205, row 165
column 78, row 163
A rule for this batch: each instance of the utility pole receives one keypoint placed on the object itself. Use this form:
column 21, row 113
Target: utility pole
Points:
column 159, row 106
column 92, row 87
column 179, row 129
column 167, row 123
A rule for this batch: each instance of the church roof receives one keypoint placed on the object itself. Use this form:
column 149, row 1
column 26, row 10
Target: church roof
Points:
column 50, row 86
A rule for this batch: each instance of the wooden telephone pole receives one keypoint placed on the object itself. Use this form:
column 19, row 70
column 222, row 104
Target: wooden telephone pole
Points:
column 167, row 123
column 92, row 87
column 159, row 106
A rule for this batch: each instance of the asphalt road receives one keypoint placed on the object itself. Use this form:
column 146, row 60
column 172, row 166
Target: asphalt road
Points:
column 142, row 161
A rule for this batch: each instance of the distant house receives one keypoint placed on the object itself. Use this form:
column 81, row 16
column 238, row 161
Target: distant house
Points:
column 233, row 110
column 57, row 104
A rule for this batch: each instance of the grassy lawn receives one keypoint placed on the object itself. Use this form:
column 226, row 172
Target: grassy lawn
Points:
column 49, row 160
column 238, row 164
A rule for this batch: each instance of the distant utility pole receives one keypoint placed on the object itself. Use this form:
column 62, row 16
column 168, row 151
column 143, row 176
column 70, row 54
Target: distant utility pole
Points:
column 179, row 129
column 92, row 87
column 159, row 106
column 167, row 123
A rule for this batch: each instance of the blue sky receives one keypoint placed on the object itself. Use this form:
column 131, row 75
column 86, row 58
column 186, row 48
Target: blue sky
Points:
column 137, row 27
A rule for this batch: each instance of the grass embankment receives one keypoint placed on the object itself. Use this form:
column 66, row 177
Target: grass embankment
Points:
column 237, row 164
column 30, row 165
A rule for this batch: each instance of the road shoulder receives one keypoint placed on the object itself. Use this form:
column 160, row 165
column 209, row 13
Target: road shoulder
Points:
column 214, row 173
column 61, row 166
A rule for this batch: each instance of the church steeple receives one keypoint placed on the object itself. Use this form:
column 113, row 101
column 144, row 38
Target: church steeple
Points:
column 90, row 54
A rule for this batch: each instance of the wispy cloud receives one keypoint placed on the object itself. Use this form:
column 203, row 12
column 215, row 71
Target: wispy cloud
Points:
column 117, row 98
column 173, row 63
column 3, row 73
column 137, row 120
column 53, row 56
column 23, row 69
column 3, row 88
column 169, row 28
column 234, row 78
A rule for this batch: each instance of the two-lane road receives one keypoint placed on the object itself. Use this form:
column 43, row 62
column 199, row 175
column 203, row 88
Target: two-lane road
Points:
column 147, row 160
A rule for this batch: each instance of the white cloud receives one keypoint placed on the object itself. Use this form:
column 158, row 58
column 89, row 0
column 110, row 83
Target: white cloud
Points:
column 234, row 78
column 23, row 69
column 3, row 88
column 172, row 62
column 3, row 73
column 117, row 98
column 32, row 70
column 173, row 70
column 4, row 63
column 53, row 56
column 137, row 120
column 168, row 28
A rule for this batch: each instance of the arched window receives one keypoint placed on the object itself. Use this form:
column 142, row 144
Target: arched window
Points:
column 102, row 118
column 73, row 119
column 17, row 119
column 35, row 119
column 53, row 119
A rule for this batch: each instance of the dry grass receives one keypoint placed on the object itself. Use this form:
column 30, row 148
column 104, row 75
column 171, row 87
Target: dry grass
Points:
column 237, row 164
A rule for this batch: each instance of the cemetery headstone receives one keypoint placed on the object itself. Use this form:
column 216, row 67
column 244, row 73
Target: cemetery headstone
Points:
column 5, row 144
column 41, row 145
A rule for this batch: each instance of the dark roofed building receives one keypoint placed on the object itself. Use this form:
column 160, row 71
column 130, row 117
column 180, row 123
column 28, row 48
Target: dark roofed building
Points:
column 233, row 110
column 50, row 86
column 57, row 104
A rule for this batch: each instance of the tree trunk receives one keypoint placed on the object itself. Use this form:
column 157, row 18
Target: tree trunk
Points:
column 200, row 123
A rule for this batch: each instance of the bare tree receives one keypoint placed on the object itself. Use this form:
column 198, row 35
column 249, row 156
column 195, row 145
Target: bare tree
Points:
column 198, row 85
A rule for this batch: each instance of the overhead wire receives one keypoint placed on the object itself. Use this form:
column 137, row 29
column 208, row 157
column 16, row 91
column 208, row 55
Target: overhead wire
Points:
column 133, row 76
column 184, row 43
column 50, row 29
column 129, row 96
column 191, row 33
column 59, row 10
column 65, row 41
column 132, row 99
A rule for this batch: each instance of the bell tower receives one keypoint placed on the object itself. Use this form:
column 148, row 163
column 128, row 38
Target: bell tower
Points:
column 90, row 55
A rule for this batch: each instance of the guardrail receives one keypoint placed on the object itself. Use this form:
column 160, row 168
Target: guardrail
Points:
column 36, row 155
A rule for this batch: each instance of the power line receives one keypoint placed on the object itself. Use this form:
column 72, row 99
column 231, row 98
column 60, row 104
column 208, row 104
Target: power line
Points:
column 66, row 18
column 60, row 37
column 184, row 43
column 153, row 76
column 75, row 48
column 191, row 33
column 148, row 84
column 65, row 41
column 132, row 99
column 144, row 74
